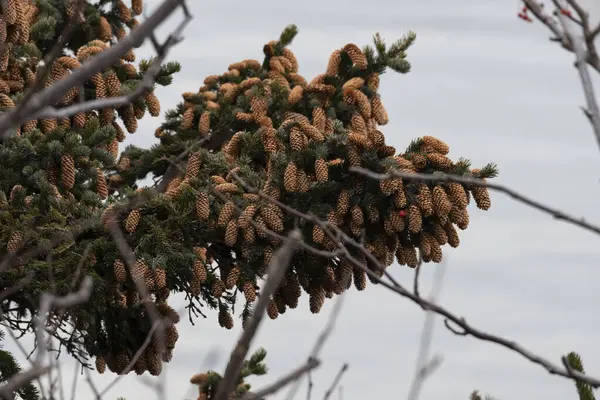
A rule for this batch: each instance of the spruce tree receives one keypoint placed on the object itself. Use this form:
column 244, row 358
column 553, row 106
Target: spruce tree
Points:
column 9, row 367
column 205, row 235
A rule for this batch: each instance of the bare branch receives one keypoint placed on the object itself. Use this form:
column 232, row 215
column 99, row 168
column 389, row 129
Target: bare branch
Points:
column 47, row 302
column 277, row 269
column 284, row 381
column 336, row 381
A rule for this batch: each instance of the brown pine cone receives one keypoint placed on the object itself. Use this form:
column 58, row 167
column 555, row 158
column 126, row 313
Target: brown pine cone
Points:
column 226, row 214
column 296, row 139
column 67, row 164
column 424, row 200
column 202, row 206
column 436, row 144
column 132, row 220
column 273, row 217
column 160, row 277
column 137, row 7
column 171, row 336
column 225, row 320
column 218, row 288
column 357, row 215
column 360, row 278
column 232, row 277
column 482, row 197
column 441, row 203
column 14, row 242
column 295, row 95
column 304, row 181
column 139, row 270
column 333, row 64
column 249, row 292
column 318, row 234
column 272, row 310
column 290, row 178
column 120, row 271
column 415, row 219
column 231, row 233
column 460, row 216
column 319, row 118
column 187, row 119
column 321, row 170
column 100, row 364
column 204, row 123
column 356, row 55
column 440, row 161
column 379, row 112
column 343, row 203
column 373, row 81
column 200, row 272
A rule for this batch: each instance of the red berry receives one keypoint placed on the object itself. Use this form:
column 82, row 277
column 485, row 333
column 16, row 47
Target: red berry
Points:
column 402, row 213
column 566, row 12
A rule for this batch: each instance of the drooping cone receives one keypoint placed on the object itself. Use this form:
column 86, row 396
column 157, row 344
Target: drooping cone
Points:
column 202, row 206
column 225, row 319
column 100, row 364
column 14, row 242
column 249, row 292
column 272, row 310
column 120, row 271
column 232, row 277
column 316, row 299
column 67, row 166
column 152, row 103
column 132, row 220
column 193, row 165
column 101, row 186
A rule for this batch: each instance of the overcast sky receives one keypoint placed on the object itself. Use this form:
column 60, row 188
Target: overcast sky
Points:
column 495, row 89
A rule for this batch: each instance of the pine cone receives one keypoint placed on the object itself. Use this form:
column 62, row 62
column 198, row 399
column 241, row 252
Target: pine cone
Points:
column 358, row 218
column 333, row 64
column 123, row 11
column 436, row 144
column 318, row 234
column 187, row 119
column 379, row 112
column 356, row 55
column 249, row 292
column 441, row 204
column 373, row 81
column 343, row 203
column 460, row 217
column 360, row 278
column 225, row 320
column 171, row 336
column 100, row 364
column 424, row 200
column 226, row 214
column 218, row 288
column 132, row 220
column 48, row 124
column 160, row 277
column 232, row 277
column 439, row 161
column 453, row 239
column 154, row 362
column 295, row 95
column 290, row 178
column 200, row 272
column 482, row 197
column 202, row 206
column 14, row 242
column 297, row 141
column 457, row 194
column 120, row 271
column 67, row 164
column 273, row 217
column 415, row 219
column 204, row 123
column 321, row 170
column 139, row 270
column 319, row 118
column 272, row 310
column 137, row 7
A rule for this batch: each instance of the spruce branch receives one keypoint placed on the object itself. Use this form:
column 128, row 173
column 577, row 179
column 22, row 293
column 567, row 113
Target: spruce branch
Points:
column 344, row 241
column 39, row 105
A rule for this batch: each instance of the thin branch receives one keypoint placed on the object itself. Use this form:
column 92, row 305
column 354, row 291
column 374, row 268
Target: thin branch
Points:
column 47, row 302
column 284, row 381
column 557, row 214
column 276, row 271
column 336, row 381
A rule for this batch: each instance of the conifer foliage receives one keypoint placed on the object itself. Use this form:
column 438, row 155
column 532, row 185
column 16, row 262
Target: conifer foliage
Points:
column 293, row 139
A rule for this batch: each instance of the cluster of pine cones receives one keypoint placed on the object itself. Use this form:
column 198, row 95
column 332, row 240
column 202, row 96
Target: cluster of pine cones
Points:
column 16, row 75
column 402, row 218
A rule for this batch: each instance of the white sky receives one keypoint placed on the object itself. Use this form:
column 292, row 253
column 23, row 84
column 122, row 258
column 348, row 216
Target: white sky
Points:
column 496, row 90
